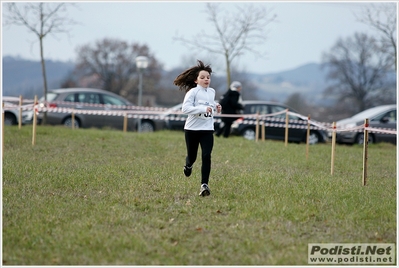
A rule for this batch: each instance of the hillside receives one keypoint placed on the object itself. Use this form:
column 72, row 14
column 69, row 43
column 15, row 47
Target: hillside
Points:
column 24, row 77
column 308, row 80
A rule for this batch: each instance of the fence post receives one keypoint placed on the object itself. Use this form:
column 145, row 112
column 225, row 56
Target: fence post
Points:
column 2, row 130
column 257, row 127
column 307, row 138
column 20, row 112
column 73, row 118
column 365, row 150
column 34, row 121
column 263, row 130
column 286, row 128
column 125, row 123
column 333, row 140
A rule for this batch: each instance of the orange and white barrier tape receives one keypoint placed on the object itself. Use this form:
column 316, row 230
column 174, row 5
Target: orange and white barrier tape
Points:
column 154, row 113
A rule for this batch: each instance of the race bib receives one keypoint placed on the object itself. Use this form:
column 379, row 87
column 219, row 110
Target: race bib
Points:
column 205, row 116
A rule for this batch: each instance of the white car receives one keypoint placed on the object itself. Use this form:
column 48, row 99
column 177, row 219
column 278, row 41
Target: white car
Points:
column 11, row 112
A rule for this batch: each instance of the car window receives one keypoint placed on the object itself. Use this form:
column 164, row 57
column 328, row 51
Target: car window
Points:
column 112, row 100
column 391, row 115
column 369, row 113
column 88, row 97
column 257, row 108
column 277, row 109
column 70, row 98
column 50, row 96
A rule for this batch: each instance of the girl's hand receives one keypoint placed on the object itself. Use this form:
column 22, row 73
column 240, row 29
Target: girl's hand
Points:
column 209, row 110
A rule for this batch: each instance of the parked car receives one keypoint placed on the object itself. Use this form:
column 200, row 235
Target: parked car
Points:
column 11, row 112
column 96, row 100
column 275, row 125
column 175, row 120
column 383, row 116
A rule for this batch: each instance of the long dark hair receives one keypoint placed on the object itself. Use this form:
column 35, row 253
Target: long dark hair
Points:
column 186, row 80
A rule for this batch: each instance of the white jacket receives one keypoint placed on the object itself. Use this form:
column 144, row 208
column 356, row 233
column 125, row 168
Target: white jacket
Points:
column 195, row 104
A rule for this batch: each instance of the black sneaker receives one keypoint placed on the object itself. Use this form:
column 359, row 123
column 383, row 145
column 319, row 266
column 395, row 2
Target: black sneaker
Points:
column 187, row 170
column 205, row 191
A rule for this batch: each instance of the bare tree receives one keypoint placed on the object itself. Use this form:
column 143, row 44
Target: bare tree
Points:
column 360, row 72
column 234, row 35
column 42, row 19
column 382, row 18
column 112, row 63
column 298, row 102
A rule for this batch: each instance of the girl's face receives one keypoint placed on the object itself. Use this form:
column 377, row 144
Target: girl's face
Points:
column 203, row 79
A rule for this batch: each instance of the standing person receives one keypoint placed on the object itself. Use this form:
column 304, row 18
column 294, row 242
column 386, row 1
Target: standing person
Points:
column 199, row 103
column 231, row 103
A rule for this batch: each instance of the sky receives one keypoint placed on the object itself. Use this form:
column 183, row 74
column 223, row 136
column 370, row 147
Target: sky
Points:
column 301, row 33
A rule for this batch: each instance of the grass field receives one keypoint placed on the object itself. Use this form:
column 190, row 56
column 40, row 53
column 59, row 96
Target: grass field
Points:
column 104, row 197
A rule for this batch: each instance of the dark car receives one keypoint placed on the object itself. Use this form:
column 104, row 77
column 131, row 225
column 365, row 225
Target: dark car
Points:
column 380, row 117
column 174, row 118
column 93, row 108
column 275, row 124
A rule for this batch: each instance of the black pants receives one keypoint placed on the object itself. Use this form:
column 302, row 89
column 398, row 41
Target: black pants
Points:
column 226, row 127
column 193, row 140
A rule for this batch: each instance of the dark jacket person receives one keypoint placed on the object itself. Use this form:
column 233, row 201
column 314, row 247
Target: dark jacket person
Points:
column 231, row 104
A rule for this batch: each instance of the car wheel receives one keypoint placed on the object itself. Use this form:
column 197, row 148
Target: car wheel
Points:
column 10, row 119
column 147, row 126
column 360, row 138
column 314, row 138
column 249, row 134
column 68, row 122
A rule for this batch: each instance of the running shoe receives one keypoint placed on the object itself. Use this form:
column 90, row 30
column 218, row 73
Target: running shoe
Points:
column 187, row 170
column 205, row 191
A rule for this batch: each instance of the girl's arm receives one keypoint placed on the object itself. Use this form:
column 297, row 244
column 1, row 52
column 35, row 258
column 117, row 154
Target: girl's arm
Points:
column 218, row 107
column 188, row 104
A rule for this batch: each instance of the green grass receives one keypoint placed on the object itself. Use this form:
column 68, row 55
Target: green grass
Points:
column 103, row 197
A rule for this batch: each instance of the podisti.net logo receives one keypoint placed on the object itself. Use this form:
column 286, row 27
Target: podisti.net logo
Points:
column 379, row 253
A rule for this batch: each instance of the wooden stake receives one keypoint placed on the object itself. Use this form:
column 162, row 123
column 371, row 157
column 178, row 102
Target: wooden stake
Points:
column 2, row 131
column 286, row 128
column 20, row 112
column 307, row 138
column 73, row 119
column 263, row 131
column 257, row 127
column 334, row 135
column 34, row 121
column 125, row 123
column 365, row 150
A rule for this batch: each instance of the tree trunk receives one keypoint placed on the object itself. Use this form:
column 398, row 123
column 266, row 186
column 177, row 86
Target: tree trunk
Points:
column 44, row 79
column 228, row 74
